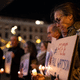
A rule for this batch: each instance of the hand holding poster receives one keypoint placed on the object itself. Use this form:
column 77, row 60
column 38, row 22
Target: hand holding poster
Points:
column 24, row 64
column 8, row 61
column 62, row 56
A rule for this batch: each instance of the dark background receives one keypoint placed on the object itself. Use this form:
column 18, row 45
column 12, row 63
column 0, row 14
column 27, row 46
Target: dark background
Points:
column 31, row 9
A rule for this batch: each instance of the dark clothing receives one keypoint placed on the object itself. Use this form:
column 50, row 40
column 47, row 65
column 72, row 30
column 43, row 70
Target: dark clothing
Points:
column 31, row 60
column 1, row 60
column 42, row 59
column 76, row 63
column 16, row 61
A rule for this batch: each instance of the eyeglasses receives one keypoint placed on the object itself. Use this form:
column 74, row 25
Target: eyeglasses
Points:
column 58, row 20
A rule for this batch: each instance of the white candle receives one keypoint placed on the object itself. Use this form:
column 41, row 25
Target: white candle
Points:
column 19, row 72
column 1, row 70
column 40, row 67
column 34, row 72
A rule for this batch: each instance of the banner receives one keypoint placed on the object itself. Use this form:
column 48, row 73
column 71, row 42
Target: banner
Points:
column 62, row 54
column 24, row 64
column 8, row 61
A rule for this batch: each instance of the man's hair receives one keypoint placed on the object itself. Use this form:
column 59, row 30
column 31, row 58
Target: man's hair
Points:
column 15, row 36
column 67, row 9
column 55, row 28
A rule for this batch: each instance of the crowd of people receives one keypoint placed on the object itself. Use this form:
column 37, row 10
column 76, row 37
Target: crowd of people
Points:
column 65, row 22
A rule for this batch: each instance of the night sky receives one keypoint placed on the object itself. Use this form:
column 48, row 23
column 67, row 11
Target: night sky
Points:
column 32, row 9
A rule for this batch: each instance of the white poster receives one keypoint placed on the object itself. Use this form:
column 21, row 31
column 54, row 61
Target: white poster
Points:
column 62, row 56
column 8, row 61
column 24, row 64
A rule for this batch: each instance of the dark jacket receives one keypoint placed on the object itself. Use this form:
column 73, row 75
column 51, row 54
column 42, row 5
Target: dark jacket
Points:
column 76, row 63
column 1, row 61
column 16, row 61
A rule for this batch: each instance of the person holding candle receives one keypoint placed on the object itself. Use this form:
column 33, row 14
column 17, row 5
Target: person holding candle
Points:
column 17, row 52
column 41, row 55
column 29, row 47
column 67, row 15
column 1, row 60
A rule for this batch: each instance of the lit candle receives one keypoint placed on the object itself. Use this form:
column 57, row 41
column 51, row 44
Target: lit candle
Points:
column 40, row 68
column 34, row 72
column 43, row 68
column 1, row 70
column 19, row 72
column 3, row 57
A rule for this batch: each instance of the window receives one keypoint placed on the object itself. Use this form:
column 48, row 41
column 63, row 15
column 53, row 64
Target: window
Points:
column 41, row 30
column 0, row 44
column 41, row 37
column 0, row 35
column 19, row 34
column 19, row 28
column 30, row 37
column 36, row 30
column 24, row 29
column 24, row 37
column 30, row 29
column 6, row 34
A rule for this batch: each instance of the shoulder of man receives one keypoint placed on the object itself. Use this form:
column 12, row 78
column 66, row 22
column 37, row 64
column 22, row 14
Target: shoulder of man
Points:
column 77, row 25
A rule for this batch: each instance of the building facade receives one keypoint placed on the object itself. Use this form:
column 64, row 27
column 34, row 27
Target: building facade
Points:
column 27, row 29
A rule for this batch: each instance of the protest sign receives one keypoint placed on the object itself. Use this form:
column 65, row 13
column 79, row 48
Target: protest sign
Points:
column 24, row 64
column 8, row 61
column 63, row 56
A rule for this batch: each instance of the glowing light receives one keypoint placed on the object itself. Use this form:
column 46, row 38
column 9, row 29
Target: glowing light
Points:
column 2, row 69
column 19, row 72
column 8, row 44
column 19, row 38
column 38, row 41
column 3, row 57
column 13, row 30
column 39, row 22
column 34, row 72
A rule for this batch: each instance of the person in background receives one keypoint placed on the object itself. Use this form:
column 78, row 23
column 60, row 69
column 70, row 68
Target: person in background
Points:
column 67, row 15
column 29, row 47
column 41, row 56
column 1, row 60
column 53, row 31
column 17, row 52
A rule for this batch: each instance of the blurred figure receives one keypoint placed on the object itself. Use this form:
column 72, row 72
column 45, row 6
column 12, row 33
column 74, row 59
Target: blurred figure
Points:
column 42, row 55
column 67, row 16
column 53, row 31
column 30, row 47
column 1, row 60
column 17, row 52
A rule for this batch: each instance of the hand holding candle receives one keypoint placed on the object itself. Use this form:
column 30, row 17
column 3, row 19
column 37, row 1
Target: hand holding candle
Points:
column 34, row 72
column 1, row 70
